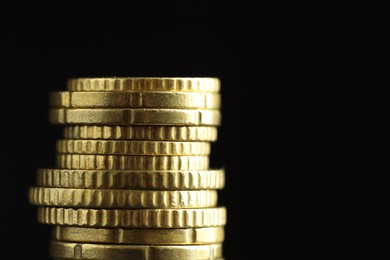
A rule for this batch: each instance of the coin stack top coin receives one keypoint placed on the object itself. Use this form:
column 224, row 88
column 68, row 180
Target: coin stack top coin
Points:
column 132, row 178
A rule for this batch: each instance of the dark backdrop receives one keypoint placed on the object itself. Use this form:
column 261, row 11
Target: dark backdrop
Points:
column 41, row 47
column 305, row 112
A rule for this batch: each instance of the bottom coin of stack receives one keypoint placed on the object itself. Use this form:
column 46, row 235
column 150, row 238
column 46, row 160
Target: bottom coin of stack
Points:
column 119, row 243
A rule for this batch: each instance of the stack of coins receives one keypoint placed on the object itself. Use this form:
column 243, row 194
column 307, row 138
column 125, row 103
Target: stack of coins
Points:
column 133, row 177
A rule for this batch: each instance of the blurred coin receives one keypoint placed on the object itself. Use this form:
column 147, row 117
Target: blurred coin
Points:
column 142, row 84
column 140, row 236
column 151, row 252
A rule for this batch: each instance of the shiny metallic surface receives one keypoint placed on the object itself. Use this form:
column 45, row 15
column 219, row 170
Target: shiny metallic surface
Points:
column 132, row 147
column 133, row 218
column 140, row 236
column 143, row 84
column 187, row 100
column 122, row 198
column 151, row 133
column 136, row 116
column 132, row 162
column 131, row 179
column 114, row 251
column 132, row 176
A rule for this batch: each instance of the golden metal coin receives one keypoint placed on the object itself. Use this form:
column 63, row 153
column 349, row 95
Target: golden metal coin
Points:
column 140, row 236
column 132, row 147
column 150, row 252
column 136, row 116
column 198, row 84
column 133, row 218
column 188, row 100
column 163, row 133
column 106, row 179
column 57, row 258
column 121, row 198
column 132, row 162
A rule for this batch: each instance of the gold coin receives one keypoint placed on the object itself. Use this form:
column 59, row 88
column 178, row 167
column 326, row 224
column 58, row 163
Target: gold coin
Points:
column 136, row 116
column 57, row 258
column 132, row 147
column 132, row 162
column 163, row 133
column 121, row 198
column 106, row 179
column 188, row 100
column 133, row 218
column 140, row 236
column 144, row 84
column 151, row 252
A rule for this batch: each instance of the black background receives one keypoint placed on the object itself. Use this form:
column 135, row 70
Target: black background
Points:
column 304, row 137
